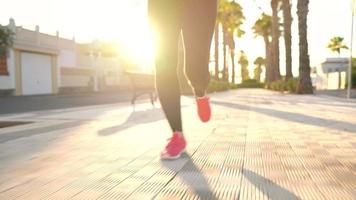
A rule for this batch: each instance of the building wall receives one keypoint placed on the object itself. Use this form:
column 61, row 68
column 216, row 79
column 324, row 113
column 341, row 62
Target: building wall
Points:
column 329, row 73
column 71, row 68
column 67, row 58
column 75, row 81
column 70, row 75
column 333, row 80
column 75, row 77
column 110, row 70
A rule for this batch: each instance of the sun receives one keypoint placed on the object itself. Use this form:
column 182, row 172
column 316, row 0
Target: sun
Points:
column 126, row 24
column 137, row 44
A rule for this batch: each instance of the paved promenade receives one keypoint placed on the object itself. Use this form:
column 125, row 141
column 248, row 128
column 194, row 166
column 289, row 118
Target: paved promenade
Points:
column 259, row 145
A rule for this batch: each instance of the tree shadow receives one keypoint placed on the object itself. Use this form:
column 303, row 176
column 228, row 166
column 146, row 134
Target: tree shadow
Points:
column 294, row 117
column 272, row 190
column 135, row 118
column 314, row 100
column 191, row 176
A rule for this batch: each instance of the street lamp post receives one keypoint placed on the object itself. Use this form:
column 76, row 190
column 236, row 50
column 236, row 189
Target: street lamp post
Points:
column 350, row 63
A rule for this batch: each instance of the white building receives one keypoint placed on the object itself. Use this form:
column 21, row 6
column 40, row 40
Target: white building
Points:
column 333, row 74
column 39, row 63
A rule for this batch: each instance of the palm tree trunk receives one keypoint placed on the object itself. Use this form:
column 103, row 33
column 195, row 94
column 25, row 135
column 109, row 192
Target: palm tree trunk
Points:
column 268, row 65
column 225, row 69
column 231, row 43
column 275, row 41
column 305, row 85
column 216, row 41
column 232, row 54
column 288, row 37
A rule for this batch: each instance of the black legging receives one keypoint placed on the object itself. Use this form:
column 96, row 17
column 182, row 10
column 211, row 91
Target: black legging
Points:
column 196, row 20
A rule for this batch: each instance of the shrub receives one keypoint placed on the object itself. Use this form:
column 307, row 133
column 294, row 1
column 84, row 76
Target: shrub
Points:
column 292, row 85
column 6, row 39
column 282, row 85
column 234, row 86
column 251, row 83
column 216, row 86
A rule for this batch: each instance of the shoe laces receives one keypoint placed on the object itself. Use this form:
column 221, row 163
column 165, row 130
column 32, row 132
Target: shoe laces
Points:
column 171, row 139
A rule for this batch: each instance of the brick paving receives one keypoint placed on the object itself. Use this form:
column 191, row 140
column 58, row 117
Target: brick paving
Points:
column 259, row 145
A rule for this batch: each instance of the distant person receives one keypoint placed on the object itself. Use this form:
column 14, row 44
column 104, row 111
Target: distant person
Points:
column 196, row 20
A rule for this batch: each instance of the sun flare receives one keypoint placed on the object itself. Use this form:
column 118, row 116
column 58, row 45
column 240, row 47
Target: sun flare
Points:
column 136, row 43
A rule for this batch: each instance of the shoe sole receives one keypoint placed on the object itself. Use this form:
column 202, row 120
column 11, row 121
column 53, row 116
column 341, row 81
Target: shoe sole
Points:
column 173, row 157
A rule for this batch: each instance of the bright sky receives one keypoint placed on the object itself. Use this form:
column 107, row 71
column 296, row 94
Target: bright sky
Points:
column 125, row 21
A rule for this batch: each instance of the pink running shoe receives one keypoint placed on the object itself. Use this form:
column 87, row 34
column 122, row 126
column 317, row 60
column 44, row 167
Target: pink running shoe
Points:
column 204, row 110
column 175, row 147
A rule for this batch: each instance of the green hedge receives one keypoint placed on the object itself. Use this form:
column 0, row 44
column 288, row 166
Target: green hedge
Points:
column 251, row 83
column 353, row 76
column 217, row 86
column 282, row 85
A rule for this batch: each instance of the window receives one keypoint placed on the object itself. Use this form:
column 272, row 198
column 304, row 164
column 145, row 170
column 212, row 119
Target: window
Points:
column 3, row 66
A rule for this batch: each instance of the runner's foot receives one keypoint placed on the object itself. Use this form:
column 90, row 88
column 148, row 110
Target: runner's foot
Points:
column 175, row 147
column 204, row 110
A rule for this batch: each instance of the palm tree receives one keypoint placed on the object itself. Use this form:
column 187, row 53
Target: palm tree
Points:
column 216, row 50
column 263, row 27
column 287, row 24
column 231, row 17
column 336, row 44
column 275, row 4
column 222, row 17
column 304, row 85
column 243, row 61
column 231, row 43
column 258, row 70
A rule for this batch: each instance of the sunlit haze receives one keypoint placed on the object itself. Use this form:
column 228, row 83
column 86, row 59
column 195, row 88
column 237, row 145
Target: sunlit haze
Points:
column 125, row 21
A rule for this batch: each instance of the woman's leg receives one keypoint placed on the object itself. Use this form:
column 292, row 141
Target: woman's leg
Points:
column 165, row 17
column 199, row 19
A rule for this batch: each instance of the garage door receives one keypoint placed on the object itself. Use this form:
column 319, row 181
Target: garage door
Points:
column 36, row 74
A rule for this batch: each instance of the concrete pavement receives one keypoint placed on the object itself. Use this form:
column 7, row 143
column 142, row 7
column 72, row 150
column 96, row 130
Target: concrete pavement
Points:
column 258, row 145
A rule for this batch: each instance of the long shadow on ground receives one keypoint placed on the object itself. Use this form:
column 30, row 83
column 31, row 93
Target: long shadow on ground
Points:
column 191, row 176
column 294, row 117
column 270, row 189
column 134, row 119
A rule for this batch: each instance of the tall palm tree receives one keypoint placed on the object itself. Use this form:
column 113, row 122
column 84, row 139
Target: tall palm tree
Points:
column 259, row 61
column 263, row 27
column 216, row 51
column 225, row 71
column 231, row 44
column 243, row 61
column 231, row 17
column 336, row 44
column 287, row 26
column 222, row 17
column 304, row 85
column 275, row 4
